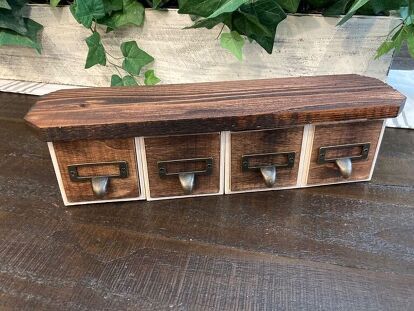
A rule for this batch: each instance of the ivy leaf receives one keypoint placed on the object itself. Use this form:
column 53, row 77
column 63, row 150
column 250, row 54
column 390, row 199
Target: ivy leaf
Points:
column 410, row 34
column 338, row 8
column 85, row 11
column 411, row 11
column 410, row 45
column 379, row 6
column 250, row 25
column 96, row 52
column 112, row 5
column 151, row 78
column 403, row 34
column 384, row 48
column 9, row 37
column 54, row 3
column 234, row 43
column 135, row 58
column 156, row 4
column 129, row 81
column 357, row 4
column 5, row 5
column 132, row 14
column 116, row 81
column 16, row 8
column 267, row 14
column 12, row 20
column 289, row 5
column 19, row 3
column 201, row 8
column 125, row 81
column 227, row 6
column 211, row 22
column 405, row 15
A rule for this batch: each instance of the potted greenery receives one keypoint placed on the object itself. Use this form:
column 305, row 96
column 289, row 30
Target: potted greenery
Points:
column 277, row 38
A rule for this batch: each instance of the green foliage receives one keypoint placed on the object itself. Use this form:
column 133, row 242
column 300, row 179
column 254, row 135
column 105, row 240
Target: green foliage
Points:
column 403, row 34
column 151, row 78
column 257, row 20
column 227, row 7
column 254, row 20
column 199, row 8
column 96, row 52
column 86, row 11
column 54, row 3
column 234, row 43
column 410, row 44
column 125, row 81
column 4, row 5
column 135, row 58
column 337, row 8
column 112, row 5
column 114, row 14
column 267, row 15
column 16, row 29
column 8, row 20
column 31, row 39
column 211, row 22
column 355, row 7
column 132, row 13
column 289, row 5
column 157, row 4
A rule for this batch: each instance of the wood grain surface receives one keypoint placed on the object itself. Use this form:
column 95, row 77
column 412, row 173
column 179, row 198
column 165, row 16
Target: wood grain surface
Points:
column 208, row 107
column 98, row 151
column 167, row 148
column 343, row 247
column 341, row 134
column 257, row 142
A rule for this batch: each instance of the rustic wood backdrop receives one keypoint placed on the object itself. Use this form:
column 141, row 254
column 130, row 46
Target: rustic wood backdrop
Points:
column 306, row 45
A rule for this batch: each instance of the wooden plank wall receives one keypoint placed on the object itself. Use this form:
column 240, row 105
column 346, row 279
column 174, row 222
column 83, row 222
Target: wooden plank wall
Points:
column 306, row 45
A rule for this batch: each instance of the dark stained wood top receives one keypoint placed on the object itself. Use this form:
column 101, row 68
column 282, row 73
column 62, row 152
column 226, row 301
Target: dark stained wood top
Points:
column 208, row 107
column 343, row 247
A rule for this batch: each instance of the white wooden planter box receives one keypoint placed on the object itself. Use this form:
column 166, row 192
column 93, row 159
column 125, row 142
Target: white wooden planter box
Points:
column 306, row 45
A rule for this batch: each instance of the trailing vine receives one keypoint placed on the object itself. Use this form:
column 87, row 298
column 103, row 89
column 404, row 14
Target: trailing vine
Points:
column 115, row 14
column 252, row 20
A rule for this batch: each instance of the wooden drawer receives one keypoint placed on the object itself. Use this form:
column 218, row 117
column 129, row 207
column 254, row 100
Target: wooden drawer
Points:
column 263, row 160
column 353, row 143
column 82, row 168
column 185, row 165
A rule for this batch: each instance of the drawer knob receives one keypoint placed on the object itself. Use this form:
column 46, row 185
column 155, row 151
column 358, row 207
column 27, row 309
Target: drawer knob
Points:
column 100, row 186
column 344, row 163
column 99, row 183
column 187, row 182
column 267, row 163
column 345, row 167
column 186, row 177
column 269, row 175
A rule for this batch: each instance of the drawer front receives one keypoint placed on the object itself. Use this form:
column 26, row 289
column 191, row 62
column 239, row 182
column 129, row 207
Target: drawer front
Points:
column 254, row 152
column 86, row 164
column 343, row 152
column 183, row 165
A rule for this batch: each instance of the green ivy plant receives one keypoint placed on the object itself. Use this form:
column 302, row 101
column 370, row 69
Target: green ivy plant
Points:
column 252, row 20
column 112, row 15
